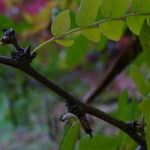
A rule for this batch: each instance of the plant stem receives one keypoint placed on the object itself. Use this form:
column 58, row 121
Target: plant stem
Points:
column 113, row 67
column 95, row 24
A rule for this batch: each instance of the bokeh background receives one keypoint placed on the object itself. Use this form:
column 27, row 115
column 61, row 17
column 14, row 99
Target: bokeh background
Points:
column 29, row 112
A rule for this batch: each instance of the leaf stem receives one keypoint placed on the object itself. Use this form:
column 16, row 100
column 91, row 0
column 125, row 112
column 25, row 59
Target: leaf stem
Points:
column 95, row 24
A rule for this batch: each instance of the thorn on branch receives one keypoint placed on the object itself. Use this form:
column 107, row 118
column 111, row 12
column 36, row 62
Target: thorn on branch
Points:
column 9, row 36
column 23, row 55
column 136, row 126
column 81, row 115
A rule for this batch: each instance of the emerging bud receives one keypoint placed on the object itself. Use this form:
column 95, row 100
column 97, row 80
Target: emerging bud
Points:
column 9, row 36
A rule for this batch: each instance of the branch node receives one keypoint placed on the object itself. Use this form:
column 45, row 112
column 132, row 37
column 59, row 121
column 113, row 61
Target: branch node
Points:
column 136, row 126
column 75, row 109
column 23, row 55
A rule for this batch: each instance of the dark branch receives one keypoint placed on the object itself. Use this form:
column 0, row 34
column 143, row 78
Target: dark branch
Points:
column 68, row 97
column 23, row 55
column 118, row 63
column 21, row 59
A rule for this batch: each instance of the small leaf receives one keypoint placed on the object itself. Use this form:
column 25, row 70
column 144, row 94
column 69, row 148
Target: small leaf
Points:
column 127, row 110
column 65, row 43
column 123, row 99
column 106, row 7
column 145, row 37
column 114, row 8
column 142, row 84
column 61, row 23
column 145, row 41
column 63, row 3
column 148, row 20
column 141, row 6
column 87, row 12
column 135, row 23
column 98, row 143
column 144, row 106
column 102, row 44
column 120, row 8
column 76, row 53
column 71, row 135
column 92, row 34
column 112, row 29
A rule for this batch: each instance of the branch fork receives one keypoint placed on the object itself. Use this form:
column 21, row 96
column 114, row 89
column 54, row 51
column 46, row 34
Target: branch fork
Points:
column 75, row 109
column 22, row 55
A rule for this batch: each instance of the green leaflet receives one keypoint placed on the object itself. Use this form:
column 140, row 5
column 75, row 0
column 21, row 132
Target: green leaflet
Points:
column 122, row 106
column 112, row 29
column 142, row 84
column 102, row 44
column 98, row 143
column 135, row 23
column 141, row 6
column 63, row 3
column 145, row 107
column 126, row 110
column 145, row 37
column 75, row 54
column 148, row 20
column 87, row 12
column 106, row 7
column 92, row 34
column 145, row 41
column 71, row 135
column 65, row 42
column 61, row 23
column 114, row 8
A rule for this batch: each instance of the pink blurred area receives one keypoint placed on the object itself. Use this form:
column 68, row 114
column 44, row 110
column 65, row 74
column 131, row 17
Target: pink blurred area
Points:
column 2, row 6
column 30, row 6
column 34, row 6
